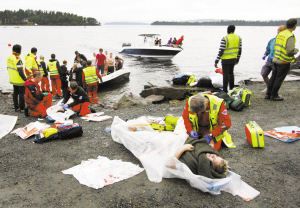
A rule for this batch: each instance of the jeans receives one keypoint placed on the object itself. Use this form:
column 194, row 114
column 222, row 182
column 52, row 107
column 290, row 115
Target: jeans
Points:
column 101, row 69
column 228, row 75
column 19, row 97
column 278, row 75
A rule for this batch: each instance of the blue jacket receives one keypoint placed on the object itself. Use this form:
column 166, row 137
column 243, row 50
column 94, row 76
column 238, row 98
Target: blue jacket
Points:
column 270, row 49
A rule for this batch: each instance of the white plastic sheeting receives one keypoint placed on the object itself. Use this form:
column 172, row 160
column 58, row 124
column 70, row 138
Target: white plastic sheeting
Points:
column 100, row 172
column 156, row 150
column 53, row 113
column 216, row 79
column 7, row 123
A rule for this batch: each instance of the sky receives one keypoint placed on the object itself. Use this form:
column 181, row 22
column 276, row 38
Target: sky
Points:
column 147, row 11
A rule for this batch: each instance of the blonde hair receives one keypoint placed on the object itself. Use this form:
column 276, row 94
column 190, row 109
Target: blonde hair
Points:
column 223, row 167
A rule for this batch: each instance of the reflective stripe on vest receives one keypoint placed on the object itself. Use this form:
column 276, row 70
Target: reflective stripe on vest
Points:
column 280, row 46
column 90, row 75
column 52, row 68
column 232, row 46
column 14, row 76
column 215, row 105
column 41, row 67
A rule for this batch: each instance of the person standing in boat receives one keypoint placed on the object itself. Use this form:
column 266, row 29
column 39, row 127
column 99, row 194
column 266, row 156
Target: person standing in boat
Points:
column 118, row 63
column 111, row 63
column 156, row 42
column 101, row 61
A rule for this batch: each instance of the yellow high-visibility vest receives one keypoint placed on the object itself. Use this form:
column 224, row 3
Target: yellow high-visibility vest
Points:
column 90, row 75
column 232, row 46
column 14, row 76
column 280, row 46
column 52, row 68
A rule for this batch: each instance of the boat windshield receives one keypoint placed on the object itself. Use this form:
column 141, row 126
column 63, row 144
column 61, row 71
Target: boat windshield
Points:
column 149, row 39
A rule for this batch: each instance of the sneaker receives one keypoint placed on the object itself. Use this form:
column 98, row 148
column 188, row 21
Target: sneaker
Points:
column 265, row 90
column 26, row 111
column 92, row 110
column 277, row 98
column 267, row 97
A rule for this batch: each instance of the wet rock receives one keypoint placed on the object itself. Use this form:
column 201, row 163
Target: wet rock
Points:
column 129, row 101
column 155, row 98
column 169, row 93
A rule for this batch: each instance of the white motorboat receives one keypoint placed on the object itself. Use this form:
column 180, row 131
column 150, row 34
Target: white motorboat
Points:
column 149, row 50
column 115, row 78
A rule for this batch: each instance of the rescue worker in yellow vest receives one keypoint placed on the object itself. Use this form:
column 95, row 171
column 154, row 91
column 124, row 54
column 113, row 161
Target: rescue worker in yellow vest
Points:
column 17, row 78
column 43, row 69
column 230, row 52
column 284, row 51
column 90, row 77
column 31, row 64
column 206, row 116
column 53, row 68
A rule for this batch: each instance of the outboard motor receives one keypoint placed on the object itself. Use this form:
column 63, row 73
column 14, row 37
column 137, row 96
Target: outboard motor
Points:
column 126, row 44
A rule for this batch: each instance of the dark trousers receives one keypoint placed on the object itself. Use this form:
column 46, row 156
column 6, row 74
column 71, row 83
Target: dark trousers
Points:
column 278, row 75
column 19, row 97
column 228, row 75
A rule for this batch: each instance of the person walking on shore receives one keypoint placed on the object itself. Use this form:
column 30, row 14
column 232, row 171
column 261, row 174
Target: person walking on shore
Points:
column 268, row 67
column 230, row 52
column 90, row 77
column 54, row 68
column 43, row 69
column 17, row 78
column 31, row 64
column 36, row 101
column 284, row 51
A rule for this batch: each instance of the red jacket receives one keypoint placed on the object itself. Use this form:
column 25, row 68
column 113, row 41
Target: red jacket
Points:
column 204, row 123
column 33, row 94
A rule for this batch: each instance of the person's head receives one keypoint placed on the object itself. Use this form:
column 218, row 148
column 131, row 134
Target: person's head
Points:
column 34, row 50
column 281, row 28
column 17, row 49
column 156, row 38
column 78, row 58
column 105, row 52
column 117, row 57
column 89, row 63
column 100, row 50
column 110, row 55
column 41, row 57
column 198, row 103
column 76, row 53
column 291, row 24
column 83, row 63
column 94, row 54
column 53, row 55
column 65, row 62
column 221, row 165
column 37, row 76
column 182, row 36
column 75, row 65
column 230, row 29
column 73, row 86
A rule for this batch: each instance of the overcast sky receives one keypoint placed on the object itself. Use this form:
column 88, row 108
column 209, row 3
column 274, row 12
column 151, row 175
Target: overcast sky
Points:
column 164, row 10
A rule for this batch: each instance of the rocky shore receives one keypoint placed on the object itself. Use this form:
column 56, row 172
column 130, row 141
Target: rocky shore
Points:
column 31, row 173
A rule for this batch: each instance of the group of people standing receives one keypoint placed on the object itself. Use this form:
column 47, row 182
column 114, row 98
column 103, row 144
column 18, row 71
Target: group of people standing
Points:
column 83, row 79
column 281, row 51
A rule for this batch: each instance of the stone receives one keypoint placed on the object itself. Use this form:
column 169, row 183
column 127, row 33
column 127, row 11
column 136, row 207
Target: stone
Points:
column 155, row 98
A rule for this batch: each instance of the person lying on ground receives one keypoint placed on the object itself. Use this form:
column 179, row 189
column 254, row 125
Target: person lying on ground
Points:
column 36, row 101
column 202, row 159
column 81, row 100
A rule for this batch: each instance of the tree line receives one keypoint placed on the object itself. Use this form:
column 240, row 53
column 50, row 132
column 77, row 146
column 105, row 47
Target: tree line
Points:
column 32, row 17
column 227, row 22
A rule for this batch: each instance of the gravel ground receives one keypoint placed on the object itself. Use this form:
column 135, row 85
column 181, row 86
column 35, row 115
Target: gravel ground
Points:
column 31, row 173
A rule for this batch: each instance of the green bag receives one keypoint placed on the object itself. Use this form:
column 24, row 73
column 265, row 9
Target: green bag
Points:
column 237, row 105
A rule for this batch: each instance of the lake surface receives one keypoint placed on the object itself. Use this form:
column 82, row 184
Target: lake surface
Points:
column 201, row 47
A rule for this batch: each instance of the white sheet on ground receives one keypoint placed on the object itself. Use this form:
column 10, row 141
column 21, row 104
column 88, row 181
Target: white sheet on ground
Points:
column 100, row 172
column 7, row 123
column 59, row 116
column 96, row 117
column 216, row 79
column 156, row 152
column 30, row 129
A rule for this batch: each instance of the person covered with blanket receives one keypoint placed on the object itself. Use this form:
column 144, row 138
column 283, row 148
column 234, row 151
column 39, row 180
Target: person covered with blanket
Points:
column 202, row 159
column 81, row 100
column 206, row 116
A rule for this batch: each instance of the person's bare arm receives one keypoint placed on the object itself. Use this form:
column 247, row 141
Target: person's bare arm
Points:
column 181, row 150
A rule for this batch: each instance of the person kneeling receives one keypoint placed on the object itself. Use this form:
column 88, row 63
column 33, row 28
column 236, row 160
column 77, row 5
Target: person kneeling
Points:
column 81, row 100
column 36, row 101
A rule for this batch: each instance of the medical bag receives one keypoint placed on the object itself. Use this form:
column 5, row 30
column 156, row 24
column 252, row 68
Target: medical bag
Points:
column 255, row 134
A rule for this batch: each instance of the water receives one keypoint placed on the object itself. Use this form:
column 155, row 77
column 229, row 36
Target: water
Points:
column 201, row 47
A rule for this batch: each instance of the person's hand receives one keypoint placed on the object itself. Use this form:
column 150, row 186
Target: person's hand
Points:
column 264, row 57
column 216, row 65
column 61, row 105
column 207, row 138
column 194, row 134
column 189, row 147
column 66, row 106
column 45, row 94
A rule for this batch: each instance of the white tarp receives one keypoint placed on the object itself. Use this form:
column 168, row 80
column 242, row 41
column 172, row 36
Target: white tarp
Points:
column 7, row 123
column 216, row 79
column 53, row 112
column 96, row 117
column 100, row 172
column 156, row 152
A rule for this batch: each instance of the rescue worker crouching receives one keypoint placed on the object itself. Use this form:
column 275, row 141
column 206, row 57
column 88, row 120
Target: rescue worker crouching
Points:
column 90, row 77
column 205, row 116
column 81, row 100
column 43, row 69
column 36, row 101
column 31, row 64
column 54, row 68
